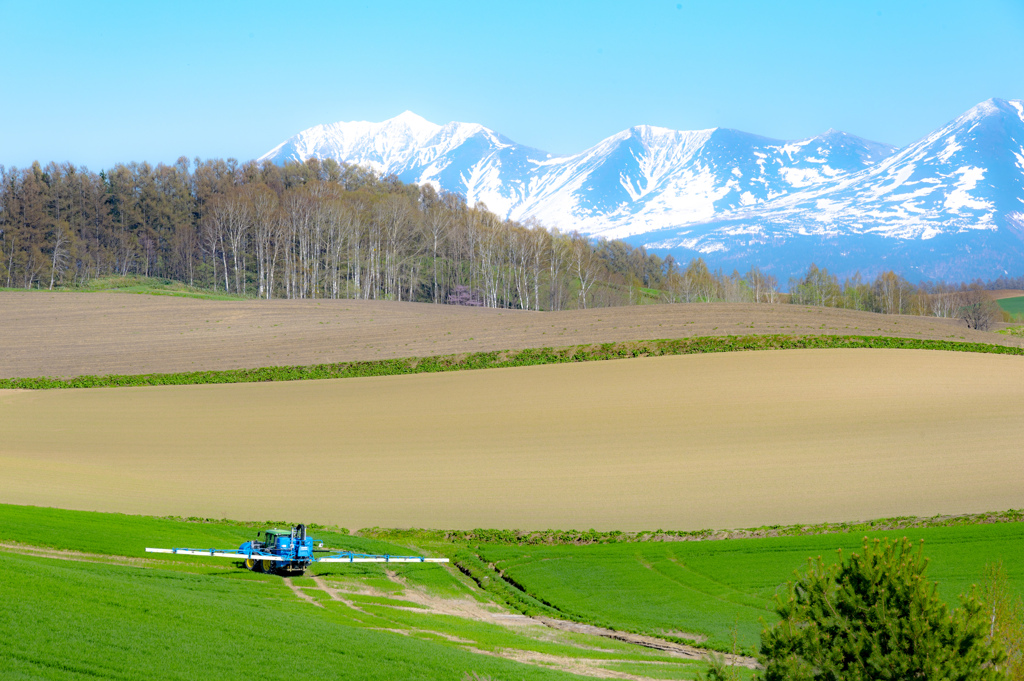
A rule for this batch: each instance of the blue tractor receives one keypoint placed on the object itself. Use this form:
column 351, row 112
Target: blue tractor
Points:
column 290, row 552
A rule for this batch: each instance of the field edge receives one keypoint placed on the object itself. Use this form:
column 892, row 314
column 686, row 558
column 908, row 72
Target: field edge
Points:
column 498, row 359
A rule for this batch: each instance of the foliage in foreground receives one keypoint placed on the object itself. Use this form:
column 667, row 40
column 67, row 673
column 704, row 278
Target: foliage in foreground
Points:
column 875, row 616
column 503, row 359
column 1004, row 611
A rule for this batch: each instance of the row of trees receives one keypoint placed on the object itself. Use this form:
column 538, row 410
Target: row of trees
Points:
column 313, row 230
column 329, row 230
column 890, row 293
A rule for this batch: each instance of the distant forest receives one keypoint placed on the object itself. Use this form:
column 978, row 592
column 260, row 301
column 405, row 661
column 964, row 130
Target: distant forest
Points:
column 330, row 230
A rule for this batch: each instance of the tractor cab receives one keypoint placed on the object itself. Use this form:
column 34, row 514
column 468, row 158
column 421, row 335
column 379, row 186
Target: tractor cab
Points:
column 276, row 541
column 293, row 549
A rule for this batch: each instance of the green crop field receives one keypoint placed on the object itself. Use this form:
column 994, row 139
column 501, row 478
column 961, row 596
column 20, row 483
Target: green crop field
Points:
column 706, row 588
column 83, row 600
column 1014, row 306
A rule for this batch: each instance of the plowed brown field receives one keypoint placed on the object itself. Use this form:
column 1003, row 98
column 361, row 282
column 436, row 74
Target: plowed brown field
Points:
column 70, row 334
column 686, row 442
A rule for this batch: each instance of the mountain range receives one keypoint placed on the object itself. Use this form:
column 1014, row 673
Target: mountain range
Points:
column 948, row 206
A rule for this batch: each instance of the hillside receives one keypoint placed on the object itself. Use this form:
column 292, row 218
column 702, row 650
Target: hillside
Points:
column 683, row 442
column 70, row 334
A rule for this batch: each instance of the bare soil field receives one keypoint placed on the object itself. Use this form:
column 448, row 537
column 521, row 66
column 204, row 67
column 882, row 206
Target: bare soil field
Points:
column 1005, row 293
column 686, row 442
column 72, row 334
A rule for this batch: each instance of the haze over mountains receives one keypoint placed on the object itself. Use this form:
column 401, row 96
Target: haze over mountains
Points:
column 950, row 205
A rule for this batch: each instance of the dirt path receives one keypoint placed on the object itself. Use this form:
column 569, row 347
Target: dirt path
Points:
column 335, row 595
column 77, row 556
column 670, row 647
column 467, row 607
column 300, row 593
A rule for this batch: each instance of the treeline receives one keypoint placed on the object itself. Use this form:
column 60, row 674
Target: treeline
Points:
column 330, row 230
column 311, row 230
column 890, row 293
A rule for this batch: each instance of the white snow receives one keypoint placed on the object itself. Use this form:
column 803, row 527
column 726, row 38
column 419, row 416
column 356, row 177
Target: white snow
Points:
column 960, row 197
column 951, row 148
column 1019, row 106
column 801, row 177
column 648, row 178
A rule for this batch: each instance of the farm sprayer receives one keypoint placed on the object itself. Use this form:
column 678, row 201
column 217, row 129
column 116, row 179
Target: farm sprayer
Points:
column 291, row 552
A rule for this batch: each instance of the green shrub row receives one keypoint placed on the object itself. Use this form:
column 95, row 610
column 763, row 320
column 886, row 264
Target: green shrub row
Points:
column 506, row 358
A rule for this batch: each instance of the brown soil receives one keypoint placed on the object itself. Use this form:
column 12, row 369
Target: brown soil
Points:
column 1006, row 293
column 691, row 442
column 300, row 593
column 71, row 334
column 471, row 609
column 670, row 647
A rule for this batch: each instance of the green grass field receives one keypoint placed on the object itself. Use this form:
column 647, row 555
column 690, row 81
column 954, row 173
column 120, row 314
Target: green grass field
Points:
column 135, row 283
column 1013, row 306
column 105, row 608
column 94, row 613
column 708, row 587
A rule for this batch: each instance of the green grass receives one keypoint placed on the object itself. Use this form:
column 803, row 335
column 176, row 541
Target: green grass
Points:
column 128, row 535
column 135, row 283
column 182, row 617
column 708, row 587
column 506, row 358
column 66, row 620
column 663, row 670
column 1014, row 306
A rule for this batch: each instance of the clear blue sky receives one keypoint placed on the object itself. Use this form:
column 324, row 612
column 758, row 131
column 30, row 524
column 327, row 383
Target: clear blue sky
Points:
column 97, row 83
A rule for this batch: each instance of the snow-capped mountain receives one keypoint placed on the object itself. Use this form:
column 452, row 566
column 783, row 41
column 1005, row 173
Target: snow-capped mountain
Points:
column 949, row 205
column 638, row 180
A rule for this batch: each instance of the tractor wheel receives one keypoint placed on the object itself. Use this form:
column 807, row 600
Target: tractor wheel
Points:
column 250, row 564
column 265, row 566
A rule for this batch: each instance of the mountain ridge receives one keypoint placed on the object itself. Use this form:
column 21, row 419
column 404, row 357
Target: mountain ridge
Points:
column 729, row 195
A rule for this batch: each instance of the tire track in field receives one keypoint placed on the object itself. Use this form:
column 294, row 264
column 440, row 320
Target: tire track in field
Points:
column 300, row 593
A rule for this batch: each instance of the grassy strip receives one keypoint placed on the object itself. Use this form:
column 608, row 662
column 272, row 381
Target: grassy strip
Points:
column 506, row 358
column 153, row 286
column 588, row 537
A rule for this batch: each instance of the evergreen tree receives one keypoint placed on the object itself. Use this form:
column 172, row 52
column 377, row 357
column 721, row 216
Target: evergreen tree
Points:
column 874, row 617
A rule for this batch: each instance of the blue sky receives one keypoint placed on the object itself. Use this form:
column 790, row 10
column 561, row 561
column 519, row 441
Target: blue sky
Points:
column 99, row 83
